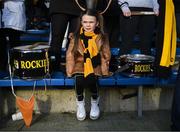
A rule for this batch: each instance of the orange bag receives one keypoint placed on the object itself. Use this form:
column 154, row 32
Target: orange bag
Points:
column 26, row 108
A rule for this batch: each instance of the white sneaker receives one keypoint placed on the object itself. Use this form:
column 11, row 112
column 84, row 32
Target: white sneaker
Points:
column 81, row 112
column 95, row 112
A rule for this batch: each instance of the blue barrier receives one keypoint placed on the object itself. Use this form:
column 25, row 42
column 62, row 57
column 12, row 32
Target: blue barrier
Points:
column 57, row 79
column 34, row 35
column 37, row 32
column 115, row 80
column 34, row 38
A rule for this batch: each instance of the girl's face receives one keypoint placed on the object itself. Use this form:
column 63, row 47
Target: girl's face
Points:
column 89, row 23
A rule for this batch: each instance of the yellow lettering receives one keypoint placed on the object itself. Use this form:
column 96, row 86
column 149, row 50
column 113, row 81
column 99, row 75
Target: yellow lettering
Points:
column 142, row 68
column 41, row 63
column 28, row 64
column 16, row 64
column 23, row 65
column 38, row 64
column 34, row 64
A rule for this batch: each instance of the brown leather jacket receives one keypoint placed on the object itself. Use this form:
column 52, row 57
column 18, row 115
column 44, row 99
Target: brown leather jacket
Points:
column 75, row 63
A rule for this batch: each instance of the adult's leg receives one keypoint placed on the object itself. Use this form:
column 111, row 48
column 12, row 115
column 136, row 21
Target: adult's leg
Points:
column 160, row 71
column 175, row 113
column 128, row 28
column 146, row 31
column 73, row 25
column 14, row 37
column 112, row 28
column 178, row 24
column 10, row 39
column 3, row 51
column 58, row 27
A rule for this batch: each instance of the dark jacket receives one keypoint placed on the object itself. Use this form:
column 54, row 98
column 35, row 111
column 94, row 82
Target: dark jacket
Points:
column 64, row 6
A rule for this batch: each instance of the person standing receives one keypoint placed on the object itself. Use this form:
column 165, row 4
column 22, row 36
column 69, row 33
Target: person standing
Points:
column 13, row 24
column 175, row 112
column 88, row 57
column 61, row 12
column 111, row 22
column 131, row 24
column 166, row 37
column 177, row 13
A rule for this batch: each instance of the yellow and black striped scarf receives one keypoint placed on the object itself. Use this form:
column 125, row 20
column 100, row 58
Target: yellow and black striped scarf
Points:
column 169, row 42
column 91, row 51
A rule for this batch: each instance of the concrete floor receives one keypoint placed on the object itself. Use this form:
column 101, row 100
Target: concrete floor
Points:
column 124, row 121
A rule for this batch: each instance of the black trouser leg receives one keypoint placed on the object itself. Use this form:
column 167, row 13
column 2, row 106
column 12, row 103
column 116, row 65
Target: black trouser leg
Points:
column 14, row 37
column 14, row 40
column 146, row 30
column 89, row 82
column 73, row 25
column 175, row 115
column 128, row 28
column 113, row 29
column 58, row 28
column 3, row 50
column 178, row 24
column 79, row 87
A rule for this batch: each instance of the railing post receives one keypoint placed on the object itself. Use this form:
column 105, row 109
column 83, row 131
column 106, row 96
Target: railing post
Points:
column 140, row 100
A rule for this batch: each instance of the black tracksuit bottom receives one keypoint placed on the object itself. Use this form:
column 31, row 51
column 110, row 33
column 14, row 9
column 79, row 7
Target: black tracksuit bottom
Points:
column 143, row 26
column 9, row 38
column 88, row 82
column 59, row 23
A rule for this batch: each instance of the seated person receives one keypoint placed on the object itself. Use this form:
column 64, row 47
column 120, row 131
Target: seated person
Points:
column 88, row 57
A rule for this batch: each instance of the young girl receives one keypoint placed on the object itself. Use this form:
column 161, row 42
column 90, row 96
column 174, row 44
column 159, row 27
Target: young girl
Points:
column 88, row 57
